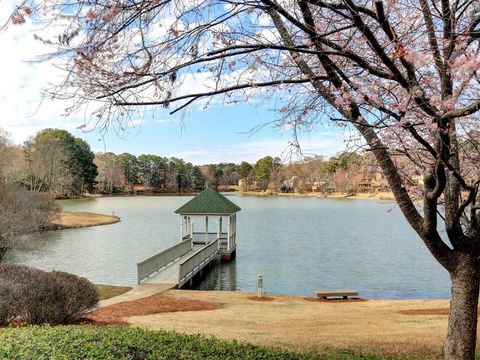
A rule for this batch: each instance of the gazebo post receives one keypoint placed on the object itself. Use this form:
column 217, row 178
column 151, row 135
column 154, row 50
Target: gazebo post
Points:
column 182, row 227
column 206, row 229
column 192, row 223
column 229, row 232
column 219, row 230
column 234, row 229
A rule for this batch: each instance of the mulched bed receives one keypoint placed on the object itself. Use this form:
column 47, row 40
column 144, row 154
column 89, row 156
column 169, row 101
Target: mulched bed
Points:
column 154, row 304
column 439, row 311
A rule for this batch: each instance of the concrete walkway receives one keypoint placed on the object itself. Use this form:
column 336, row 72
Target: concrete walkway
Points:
column 139, row 292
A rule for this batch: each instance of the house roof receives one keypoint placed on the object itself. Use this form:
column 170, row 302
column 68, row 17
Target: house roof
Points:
column 207, row 202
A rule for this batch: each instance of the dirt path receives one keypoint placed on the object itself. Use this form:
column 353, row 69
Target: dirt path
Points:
column 139, row 292
column 299, row 324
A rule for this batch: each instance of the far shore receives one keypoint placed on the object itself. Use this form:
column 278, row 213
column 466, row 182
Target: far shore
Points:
column 357, row 196
column 77, row 219
column 384, row 195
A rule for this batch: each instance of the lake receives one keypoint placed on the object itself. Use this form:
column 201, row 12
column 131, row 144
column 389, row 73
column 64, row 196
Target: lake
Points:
column 298, row 244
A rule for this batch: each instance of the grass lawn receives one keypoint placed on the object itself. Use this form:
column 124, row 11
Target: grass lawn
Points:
column 110, row 291
column 76, row 219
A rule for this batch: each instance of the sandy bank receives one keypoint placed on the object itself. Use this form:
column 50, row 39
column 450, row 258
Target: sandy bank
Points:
column 297, row 323
column 74, row 219
column 358, row 196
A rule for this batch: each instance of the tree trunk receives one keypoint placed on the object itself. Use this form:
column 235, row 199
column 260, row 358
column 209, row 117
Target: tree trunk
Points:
column 462, row 322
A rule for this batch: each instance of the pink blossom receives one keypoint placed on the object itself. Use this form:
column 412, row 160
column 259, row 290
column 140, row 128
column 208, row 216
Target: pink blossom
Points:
column 18, row 19
column 110, row 14
column 91, row 14
column 449, row 104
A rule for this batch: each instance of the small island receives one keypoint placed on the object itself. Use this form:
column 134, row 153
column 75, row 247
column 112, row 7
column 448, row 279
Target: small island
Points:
column 76, row 219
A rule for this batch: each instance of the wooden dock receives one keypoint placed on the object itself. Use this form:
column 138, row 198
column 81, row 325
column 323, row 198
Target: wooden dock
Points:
column 169, row 274
column 177, row 265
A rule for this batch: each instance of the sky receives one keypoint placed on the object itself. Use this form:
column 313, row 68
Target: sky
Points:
column 217, row 134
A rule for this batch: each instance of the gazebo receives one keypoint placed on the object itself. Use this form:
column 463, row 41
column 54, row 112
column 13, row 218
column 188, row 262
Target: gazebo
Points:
column 205, row 219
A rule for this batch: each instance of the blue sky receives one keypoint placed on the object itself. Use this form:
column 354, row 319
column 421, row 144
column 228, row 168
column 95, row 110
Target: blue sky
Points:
column 218, row 134
column 212, row 136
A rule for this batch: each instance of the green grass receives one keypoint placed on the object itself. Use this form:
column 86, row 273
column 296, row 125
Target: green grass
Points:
column 109, row 291
column 122, row 342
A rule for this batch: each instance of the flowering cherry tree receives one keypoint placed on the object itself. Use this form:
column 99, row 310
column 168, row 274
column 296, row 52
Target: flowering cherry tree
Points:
column 403, row 73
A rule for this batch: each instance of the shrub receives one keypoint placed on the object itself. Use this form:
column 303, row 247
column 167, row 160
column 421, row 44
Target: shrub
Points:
column 22, row 212
column 286, row 189
column 43, row 297
column 81, row 295
column 10, row 298
column 120, row 342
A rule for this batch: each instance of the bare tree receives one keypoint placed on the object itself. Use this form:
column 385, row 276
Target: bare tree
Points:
column 12, row 162
column 48, row 170
column 21, row 212
column 403, row 73
column 110, row 172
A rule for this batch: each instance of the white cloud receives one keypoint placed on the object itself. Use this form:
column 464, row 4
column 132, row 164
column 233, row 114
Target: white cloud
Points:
column 327, row 145
column 24, row 112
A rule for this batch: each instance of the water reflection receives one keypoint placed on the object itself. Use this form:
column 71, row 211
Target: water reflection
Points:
column 223, row 276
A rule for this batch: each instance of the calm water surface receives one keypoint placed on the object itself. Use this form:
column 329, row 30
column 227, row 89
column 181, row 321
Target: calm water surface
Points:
column 298, row 244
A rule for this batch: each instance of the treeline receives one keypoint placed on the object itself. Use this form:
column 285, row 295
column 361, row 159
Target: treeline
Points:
column 129, row 173
column 53, row 161
column 57, row 163
column 21, row 211
column 152, row 173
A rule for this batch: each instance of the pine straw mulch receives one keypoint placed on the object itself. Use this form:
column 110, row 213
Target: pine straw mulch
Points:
column 438, row 311
column 155, row 304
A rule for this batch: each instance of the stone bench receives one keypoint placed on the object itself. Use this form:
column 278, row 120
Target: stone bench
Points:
column 324, row 294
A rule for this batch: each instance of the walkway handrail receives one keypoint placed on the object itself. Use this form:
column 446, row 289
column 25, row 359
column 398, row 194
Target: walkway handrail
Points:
column 156, row 262
column 192, row 265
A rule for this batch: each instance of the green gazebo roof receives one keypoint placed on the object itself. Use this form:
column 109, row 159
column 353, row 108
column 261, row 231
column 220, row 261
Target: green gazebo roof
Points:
column 208, row 202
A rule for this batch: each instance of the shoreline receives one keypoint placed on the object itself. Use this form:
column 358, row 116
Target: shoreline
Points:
column 388, row 196
column 80, row 219
column 358, row 196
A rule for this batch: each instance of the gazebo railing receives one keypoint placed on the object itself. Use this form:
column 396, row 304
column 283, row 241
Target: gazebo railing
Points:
column 156, row 262
column 199, row 237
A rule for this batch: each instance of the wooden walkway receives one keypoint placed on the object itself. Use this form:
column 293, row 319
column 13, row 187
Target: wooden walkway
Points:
column 176, row 266
column 169, row 275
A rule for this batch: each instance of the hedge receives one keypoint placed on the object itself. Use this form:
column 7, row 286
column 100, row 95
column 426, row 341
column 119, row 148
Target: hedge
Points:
column 34, row 296
column 122, row 343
